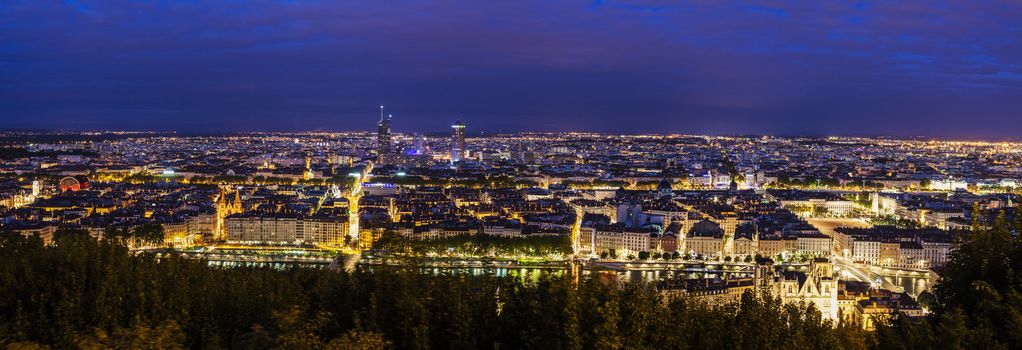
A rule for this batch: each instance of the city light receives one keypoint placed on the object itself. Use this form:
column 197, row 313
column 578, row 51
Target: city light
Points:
column 589, row 175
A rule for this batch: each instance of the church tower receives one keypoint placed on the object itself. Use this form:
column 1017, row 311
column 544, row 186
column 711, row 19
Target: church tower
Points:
column 224, row 208
column 308, row 166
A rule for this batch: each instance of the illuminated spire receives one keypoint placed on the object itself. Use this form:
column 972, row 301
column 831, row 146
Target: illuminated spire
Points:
column 308, row 165
column 381, row 113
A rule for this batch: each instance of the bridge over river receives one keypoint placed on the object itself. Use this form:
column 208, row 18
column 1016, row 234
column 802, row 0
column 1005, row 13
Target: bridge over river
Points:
column 911, row 281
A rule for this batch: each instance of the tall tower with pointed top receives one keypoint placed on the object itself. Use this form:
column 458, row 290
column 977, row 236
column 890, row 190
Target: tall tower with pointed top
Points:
column 308, row 166
column 457, row 141
column 224, row 208
column 383, row 135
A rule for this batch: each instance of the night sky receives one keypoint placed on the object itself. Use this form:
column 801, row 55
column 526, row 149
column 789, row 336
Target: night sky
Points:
column 900, row 68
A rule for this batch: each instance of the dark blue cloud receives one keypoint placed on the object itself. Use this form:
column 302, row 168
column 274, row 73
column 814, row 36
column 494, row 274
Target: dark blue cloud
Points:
column 897, row 68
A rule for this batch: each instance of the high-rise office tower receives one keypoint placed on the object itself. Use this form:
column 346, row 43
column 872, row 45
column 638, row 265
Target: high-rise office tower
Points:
column 457, row 141
column 420, row 144
column 383, row 134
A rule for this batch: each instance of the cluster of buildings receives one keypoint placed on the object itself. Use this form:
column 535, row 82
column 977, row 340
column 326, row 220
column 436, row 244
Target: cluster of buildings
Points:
column 185, row 213
column 711, row 197
column 896, row 247
column 658, row 198
column 714, row 224
column 848, row 301
column 817, row 284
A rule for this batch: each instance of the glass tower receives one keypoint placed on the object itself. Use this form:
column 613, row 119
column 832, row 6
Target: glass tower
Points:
column 457, row 141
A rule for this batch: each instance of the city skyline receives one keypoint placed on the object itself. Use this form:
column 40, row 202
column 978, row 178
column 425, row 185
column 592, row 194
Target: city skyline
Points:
column 866, row 68
column 441, row 174
column 440, row 133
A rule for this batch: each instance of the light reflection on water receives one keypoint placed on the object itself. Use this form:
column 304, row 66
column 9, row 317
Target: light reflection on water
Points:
column 526, row 273
column 912, row 284
column 534, row 273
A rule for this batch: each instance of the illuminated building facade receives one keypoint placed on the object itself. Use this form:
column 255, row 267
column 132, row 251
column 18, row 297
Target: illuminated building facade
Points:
column 224, row 208
column 420, row 144
column 457, row 141
column 818, row 286
column 383, row 135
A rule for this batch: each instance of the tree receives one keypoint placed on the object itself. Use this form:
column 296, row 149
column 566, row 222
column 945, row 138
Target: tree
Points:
column 643, row 255
column 257, row 339
column 976, row 222
column 167, row 336
column 762, row 260
column 149, row 234
column 360, row 340
column 977, row 303
column 927, row 300
column 64, row 232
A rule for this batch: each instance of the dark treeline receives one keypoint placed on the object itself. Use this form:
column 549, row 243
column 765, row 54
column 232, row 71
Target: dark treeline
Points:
column 148, row 234
column 145, row 234
column 80, row 293
column 88, row 294
column 977, row 303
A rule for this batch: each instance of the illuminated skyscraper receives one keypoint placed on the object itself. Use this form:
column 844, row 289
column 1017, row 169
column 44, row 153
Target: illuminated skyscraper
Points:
column 457, row 141
column 420, row 144
column 383, row 135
